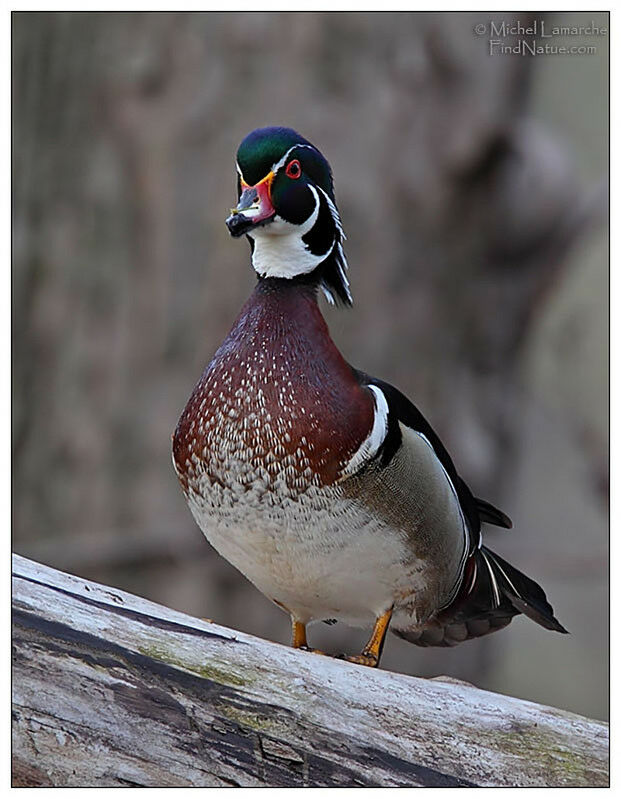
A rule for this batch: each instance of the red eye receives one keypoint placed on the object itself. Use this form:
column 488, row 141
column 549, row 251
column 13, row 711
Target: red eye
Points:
column 293, row 170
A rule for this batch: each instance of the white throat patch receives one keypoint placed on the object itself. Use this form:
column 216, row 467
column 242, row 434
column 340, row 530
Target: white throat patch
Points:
column 279, row 250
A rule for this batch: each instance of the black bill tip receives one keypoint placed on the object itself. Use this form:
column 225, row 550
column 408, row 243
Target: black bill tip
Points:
column 238, row 224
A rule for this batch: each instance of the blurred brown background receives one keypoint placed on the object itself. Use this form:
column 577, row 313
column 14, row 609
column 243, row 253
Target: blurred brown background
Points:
column 472, row 189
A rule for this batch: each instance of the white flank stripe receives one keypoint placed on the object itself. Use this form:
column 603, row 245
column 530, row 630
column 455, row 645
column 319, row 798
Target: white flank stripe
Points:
column 369, row 447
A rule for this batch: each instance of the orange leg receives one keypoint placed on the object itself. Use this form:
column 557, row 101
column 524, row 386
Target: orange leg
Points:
column 298, row 638
column 298, row 635
column 298, row 630
column 372, row 652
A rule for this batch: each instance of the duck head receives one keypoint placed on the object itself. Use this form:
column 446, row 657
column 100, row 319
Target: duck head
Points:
column 286, row 207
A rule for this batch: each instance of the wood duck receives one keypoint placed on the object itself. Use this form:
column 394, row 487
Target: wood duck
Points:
column 325, row 486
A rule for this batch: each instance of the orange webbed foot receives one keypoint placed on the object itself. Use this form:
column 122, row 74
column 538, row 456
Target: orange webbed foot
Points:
column 364, row 659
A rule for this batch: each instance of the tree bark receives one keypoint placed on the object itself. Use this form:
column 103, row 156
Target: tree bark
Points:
column 113, row 690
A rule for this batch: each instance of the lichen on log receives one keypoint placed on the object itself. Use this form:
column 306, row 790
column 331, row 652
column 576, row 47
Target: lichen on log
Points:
column 110, row 689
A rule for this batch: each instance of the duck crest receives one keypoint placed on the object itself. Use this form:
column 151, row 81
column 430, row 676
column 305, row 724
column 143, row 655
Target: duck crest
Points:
column 278, row 409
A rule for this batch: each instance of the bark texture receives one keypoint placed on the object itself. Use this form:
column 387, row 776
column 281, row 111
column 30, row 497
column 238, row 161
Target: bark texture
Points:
column 112, row 690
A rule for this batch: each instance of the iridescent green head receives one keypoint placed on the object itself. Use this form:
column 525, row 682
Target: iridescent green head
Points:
column 287, row 209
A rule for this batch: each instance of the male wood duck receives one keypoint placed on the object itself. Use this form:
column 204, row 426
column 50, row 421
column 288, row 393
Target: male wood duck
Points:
column 325, row 486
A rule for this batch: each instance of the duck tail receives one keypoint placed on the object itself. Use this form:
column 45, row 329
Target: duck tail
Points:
column 492, row 593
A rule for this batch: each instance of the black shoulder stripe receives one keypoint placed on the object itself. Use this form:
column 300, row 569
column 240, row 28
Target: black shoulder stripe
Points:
column 392, row 439
column 401, row 407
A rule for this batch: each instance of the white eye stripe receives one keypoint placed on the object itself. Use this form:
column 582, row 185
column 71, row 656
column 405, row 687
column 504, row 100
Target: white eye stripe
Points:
column 276, row 166
column 283, row 160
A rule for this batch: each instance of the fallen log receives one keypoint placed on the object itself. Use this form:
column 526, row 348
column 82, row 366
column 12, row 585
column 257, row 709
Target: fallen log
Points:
column 110, row 689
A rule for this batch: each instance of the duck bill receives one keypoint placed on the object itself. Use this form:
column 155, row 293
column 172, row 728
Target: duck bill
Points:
column 254, row 208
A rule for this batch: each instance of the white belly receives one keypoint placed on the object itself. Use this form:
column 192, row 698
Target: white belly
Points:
column 319, row 555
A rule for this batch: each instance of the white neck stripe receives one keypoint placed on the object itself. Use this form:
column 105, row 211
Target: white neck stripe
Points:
column 279, row 249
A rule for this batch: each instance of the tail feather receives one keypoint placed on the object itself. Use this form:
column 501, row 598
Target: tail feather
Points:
column 492, row 593
column 524, row 594
column 489, row 513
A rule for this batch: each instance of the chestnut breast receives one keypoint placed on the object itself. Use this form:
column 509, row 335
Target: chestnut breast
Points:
column 277, row 404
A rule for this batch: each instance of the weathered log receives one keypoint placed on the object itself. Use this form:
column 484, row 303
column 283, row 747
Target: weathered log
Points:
column 113, row 690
